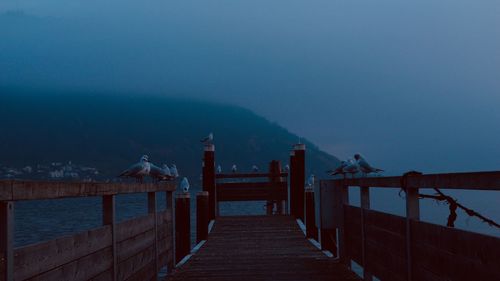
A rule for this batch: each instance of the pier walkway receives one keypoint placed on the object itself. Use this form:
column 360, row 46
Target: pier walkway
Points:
column 260, row 248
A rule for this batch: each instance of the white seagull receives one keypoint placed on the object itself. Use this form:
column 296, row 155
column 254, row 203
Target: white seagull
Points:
column 208, row 139
column 138, row 170
column 234, row 169
column 219, row 169
column 255, row 169
column 287, row 168
column 185, row 185
column 339, row 170
column 173, row 171
column 351, row 167
column 364, row 166
column 310, row 182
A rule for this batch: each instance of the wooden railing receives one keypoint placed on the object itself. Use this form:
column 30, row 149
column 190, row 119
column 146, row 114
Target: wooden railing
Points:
column 135, row 249
column 238, row 187
column 392, row 247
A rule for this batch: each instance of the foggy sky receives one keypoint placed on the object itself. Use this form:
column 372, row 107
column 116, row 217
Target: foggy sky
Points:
column 409, row 84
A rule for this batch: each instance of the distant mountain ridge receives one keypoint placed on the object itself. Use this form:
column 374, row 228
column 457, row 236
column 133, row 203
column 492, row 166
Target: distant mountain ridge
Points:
column 109, row 132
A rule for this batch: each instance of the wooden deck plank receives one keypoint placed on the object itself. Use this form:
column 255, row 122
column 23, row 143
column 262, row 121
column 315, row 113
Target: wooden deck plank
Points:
column 260, row 248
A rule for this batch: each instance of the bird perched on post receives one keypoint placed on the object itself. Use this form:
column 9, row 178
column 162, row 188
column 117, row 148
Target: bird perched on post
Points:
column 364, row 166
column 351, row 167
column 219, row 169
column 310, row 182
column 173, row 171
column 185, row 185
column 287, row 168
column 234, row 169
column 138, row 170
column 159, row 174
column 208, row 139
column 339, row 170
column 255, row 169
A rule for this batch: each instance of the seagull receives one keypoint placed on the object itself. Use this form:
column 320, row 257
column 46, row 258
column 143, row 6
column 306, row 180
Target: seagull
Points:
column 208, row 139
column 185, row 185
column 255, row 168
column 310, row 182
column 160, row 173
column 219, row 169
column 173, row 171
column 351, row 167
column 287, row 168
column 233, row 168
column 339, row 170
column 138, row 170
column 156, row 172
column 364, row 166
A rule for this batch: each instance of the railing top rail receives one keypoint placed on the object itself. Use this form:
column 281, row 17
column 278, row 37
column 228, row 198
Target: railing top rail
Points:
column 14, row 190
column 248, row 175
column 472, row 181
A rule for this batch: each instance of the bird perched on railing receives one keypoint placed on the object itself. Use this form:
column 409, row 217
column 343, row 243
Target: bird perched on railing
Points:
column 310, row 182
column 234, row 169
column 185, row 185
column 208, row 139
column 174, row 172
column 364, row 166
column 138, row 170
column 160, row 174
column 219, row 169
column 351, row 167
column 339, row 170
column 255, row 169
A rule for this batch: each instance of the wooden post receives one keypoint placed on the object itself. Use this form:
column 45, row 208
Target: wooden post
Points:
column 412, row 213
column 275, row 180
column 170, row 227
column 202, row 216
column 330, row 219
column 182, row 226
column 209, row 178
column 292, row 200
column 109, row 218
column 365, row 205
column 311, row 230
column 7, row 239
column 342, row 191
column 152, row 209
column 300, row 179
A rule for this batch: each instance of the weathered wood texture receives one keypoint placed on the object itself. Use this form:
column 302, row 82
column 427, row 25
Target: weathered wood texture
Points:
column 6, row 241
column 248, row 175
column 472, row 181
column 297, row 182
column 443, row 253
column 385, row 245
column 438, row 252
column 78, row 257
column 12, row 190
column 89, row 255
column 260, row 248
column 246, row 191
column 182, row 226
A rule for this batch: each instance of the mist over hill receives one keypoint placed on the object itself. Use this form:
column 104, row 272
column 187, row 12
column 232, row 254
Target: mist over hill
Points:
column 110, row 132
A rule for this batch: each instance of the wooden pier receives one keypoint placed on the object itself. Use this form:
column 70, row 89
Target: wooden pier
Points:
column 306, row 234
column 260, row 248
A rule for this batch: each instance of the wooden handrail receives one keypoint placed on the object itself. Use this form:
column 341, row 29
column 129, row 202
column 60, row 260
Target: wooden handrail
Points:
column 472, row 181
column 248, row 175
column 14, row 190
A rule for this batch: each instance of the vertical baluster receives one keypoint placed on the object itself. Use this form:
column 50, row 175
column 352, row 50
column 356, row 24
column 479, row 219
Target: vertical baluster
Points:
column 365, row 205
column 109, row 218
